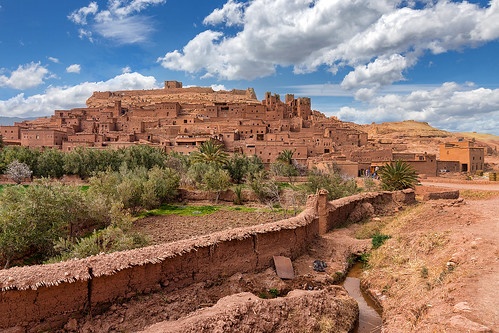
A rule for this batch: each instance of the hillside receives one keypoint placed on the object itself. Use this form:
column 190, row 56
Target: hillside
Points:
column 8, row 121
column 416, row 136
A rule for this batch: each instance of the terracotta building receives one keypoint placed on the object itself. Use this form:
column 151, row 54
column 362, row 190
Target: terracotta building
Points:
column 181, row 119
column 469, row 157
column 11, row 135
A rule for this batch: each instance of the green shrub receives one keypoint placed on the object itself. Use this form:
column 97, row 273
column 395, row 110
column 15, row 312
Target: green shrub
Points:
column 238, row 191
column 398, row 176
column 336, row 185
column 379, row 239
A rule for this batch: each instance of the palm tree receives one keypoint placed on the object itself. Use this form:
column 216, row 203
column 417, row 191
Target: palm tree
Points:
column 286, row 156
column 210, row 152
column 398, row 176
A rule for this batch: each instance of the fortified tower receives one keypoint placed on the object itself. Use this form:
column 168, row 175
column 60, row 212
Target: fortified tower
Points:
column 173, row 84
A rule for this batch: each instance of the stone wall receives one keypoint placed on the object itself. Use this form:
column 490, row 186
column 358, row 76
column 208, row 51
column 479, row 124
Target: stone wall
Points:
column 44, row 297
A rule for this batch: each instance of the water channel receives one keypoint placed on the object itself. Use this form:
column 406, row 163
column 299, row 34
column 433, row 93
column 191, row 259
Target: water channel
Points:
column 369, row 312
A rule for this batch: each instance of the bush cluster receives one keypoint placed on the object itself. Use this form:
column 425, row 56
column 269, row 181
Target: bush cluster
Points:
column 51, row 220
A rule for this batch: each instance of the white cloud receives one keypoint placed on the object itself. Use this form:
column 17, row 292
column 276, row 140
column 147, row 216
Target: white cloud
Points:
column 79, row 16
column 25, row 76
column 75, row 68
column 82, row 33
column 202, row 52
column 382, row 71
column 128, row 30
column 123, row 8
column 450, row 106
column 230, row 14
column 54, row 60
column 118, row 22
column 62, row 98
column 126, row 69
column 218, row 87
column 379, row 39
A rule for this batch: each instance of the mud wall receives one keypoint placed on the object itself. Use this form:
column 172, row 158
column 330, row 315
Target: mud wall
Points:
column 43, row 297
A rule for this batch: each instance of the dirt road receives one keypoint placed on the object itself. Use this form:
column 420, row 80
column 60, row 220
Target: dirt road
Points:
column 464, row 186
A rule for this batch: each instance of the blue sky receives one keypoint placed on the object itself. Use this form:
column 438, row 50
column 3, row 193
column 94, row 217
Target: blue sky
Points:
column 362, row 61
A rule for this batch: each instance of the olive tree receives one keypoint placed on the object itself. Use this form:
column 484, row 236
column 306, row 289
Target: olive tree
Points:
column 216, row 180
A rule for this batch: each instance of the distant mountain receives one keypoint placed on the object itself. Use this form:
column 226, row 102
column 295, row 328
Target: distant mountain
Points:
column 7, row 121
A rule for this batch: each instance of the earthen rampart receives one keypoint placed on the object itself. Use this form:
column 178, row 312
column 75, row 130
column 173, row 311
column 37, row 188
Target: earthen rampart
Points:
column 43, row 297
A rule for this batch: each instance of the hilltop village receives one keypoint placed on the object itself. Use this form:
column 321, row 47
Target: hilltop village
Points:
column 181, row 119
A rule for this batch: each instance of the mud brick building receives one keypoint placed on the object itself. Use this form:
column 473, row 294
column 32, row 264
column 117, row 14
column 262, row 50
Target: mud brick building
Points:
column 461, row 156
column 180, row 119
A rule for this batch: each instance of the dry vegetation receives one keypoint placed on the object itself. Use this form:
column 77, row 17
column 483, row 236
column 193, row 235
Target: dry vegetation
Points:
column 440, row 260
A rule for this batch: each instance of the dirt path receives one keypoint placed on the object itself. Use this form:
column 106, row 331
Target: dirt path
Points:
column 481, row 286
column 464, row 186
column 483, row 294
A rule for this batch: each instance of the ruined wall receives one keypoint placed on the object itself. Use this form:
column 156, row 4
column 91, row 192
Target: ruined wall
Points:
column 43, row 297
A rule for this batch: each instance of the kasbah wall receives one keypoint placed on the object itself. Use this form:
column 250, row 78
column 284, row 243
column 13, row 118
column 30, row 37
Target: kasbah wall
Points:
column 44, row 297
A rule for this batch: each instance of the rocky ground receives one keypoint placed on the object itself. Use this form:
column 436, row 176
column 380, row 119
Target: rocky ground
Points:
column 437, row 273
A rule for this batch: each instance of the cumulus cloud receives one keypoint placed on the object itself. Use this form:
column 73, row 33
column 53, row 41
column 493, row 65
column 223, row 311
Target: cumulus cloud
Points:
column 79, row 16
column 218, row 87
column 230, row 14
column 119, row 22
column 376, row 40
column 382, row 71
column 74, row 68
column 451, row 106
column 25, row 76
column 62, row 98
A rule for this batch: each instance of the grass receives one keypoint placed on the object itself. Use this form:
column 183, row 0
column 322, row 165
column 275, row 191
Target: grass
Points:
column 84, row 188
column 369, row 229
column 192, row 210
column 379, row 239
column 181, row 210
column 242, row 209
column 477, row 194
column 411, row 269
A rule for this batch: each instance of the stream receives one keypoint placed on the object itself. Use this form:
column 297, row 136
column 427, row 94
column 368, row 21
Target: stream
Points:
column 369, row 313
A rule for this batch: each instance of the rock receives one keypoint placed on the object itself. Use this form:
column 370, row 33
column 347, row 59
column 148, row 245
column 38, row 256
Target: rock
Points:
column 466, row 325
column 457, row 258
column 462, row 307
column 72, row 325
column 245, row 312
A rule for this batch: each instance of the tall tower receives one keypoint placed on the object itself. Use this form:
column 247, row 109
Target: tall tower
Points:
column 304, row 107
